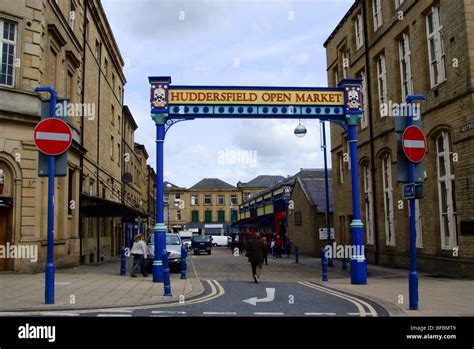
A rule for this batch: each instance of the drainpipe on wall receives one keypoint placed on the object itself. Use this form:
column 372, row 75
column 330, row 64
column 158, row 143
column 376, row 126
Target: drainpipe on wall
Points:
column 98, row 145
column 81, row 159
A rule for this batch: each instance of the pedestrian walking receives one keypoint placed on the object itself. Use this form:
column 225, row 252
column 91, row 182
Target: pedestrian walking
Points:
column 288, row 248
column 278, row 247
column 139, row 253
column 255, row 254
column 273, row 248
column 265, row 251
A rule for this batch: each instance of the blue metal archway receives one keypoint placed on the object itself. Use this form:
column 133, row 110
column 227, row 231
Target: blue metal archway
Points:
column 342, row 105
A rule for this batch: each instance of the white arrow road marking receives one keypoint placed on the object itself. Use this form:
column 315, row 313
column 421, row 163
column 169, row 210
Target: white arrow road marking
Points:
column 410, row 143
column 269, row 298
column 50, row 136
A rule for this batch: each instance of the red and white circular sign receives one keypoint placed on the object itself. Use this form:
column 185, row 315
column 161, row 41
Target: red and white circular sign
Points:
column 414, row 144
column 52, row 136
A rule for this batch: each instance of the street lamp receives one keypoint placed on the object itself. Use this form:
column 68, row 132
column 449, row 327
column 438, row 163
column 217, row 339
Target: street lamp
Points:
column 300, row 130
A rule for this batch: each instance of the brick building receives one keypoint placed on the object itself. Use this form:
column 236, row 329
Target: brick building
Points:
column 399, row 48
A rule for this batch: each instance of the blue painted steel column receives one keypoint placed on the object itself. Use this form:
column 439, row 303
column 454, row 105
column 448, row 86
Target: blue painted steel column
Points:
column 413, row 275
column 326, row 178
column 184, row 254
column 166, row 274
column 160, row 227
column 50, row 269
column 324, row 265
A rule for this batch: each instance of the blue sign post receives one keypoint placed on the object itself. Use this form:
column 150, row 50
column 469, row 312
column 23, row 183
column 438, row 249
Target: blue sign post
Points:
column 50, row 269
column 342, row 105
column 413, row 275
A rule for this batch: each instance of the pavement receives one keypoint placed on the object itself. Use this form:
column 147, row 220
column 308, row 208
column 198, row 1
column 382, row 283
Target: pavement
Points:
column 221, row 285
column 92, row 286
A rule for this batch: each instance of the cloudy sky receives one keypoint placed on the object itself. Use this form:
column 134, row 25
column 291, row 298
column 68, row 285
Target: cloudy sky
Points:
column 225, row 42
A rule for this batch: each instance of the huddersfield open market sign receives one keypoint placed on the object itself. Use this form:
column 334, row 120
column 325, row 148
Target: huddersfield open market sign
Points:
column 256, row 102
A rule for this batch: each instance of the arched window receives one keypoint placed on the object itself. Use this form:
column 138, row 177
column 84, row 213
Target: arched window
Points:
column 368, row 202
column 388, row 199
column 446, row 197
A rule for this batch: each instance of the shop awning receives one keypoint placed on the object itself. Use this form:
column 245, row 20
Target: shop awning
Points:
column 92, row 206
column 257, row 222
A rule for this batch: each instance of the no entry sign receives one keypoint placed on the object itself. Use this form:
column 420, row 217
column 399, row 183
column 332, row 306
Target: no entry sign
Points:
column 52, row 136
column 414, row 144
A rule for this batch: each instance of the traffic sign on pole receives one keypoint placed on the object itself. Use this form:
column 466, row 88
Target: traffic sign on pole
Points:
column 52, row 136
column 408, row 191
column 414, row 144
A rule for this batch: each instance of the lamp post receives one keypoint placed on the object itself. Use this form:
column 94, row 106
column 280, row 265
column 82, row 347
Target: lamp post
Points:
column 300, row 131
column 326, row 179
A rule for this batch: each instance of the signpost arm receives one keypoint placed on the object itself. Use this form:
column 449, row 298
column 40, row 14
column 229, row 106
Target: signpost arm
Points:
column 50, row 270
column 413, row 275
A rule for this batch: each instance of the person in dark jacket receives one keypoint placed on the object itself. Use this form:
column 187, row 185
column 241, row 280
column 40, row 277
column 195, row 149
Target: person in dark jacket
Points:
column 256, row 253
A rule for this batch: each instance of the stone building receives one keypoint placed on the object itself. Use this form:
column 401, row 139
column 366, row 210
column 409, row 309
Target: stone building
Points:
column 210, row 206
column 409, row 47
column 307, row 214
column 68, row 45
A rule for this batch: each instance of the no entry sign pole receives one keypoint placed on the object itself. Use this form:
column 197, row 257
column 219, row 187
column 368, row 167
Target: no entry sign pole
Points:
column 50, row 269
column 413, row 275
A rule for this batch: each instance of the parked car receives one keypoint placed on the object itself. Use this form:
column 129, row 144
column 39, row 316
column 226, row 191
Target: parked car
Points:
column 219, row 240
column 173, row 248
column 202, row 243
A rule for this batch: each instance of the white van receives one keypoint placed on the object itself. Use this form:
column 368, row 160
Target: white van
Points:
column 219, row 240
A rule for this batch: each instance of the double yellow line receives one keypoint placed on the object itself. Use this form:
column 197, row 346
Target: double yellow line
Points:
column 359, row 303
column 216, row 291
